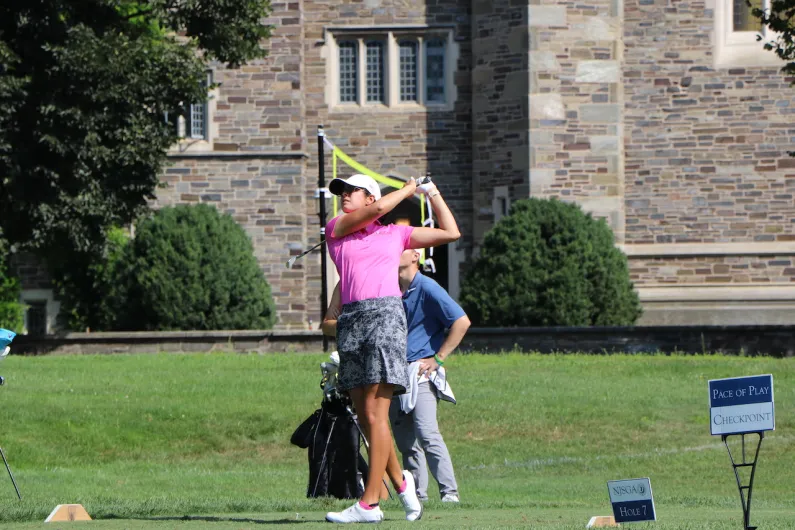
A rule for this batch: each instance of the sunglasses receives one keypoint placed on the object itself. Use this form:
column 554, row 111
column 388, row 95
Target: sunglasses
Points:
column 350, row 190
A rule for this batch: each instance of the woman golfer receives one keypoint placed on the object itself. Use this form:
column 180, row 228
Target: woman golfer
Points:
column 371, row 330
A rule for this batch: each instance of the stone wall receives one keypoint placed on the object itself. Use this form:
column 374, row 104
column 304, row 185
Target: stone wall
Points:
column 714, row 270
column 778, row 341
column 500, row 113
column 706, row 147
column 260, row 105
column 576, row 106
column 706, row 172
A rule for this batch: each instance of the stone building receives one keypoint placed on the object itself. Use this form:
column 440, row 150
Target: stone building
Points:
column 666, row 118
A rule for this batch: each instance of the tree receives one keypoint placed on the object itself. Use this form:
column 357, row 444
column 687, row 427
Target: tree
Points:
column 191, row 267
column 88, row 285
column 779, row 20
column 549, row 264
column 11, row 310
column 84, row 88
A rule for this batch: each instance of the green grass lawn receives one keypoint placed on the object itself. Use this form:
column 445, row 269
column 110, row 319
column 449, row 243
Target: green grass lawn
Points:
column 145, row 440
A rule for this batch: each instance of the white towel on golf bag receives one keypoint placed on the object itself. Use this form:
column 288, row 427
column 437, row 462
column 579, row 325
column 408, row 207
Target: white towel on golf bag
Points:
column 438, row 379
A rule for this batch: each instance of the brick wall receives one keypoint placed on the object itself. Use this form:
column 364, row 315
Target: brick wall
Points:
column 706, row 147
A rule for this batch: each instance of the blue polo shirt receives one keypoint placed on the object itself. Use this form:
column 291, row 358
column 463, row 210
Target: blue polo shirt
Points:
column 429, row 312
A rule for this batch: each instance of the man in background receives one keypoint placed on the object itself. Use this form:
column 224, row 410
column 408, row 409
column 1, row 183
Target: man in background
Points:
column 436, row 325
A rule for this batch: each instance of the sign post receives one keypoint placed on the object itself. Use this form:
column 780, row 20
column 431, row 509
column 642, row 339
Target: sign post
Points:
column 632, row 500
column 739, row 406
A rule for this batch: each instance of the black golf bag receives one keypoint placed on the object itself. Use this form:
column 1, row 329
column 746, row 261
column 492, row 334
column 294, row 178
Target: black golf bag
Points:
column 336, row 467
column 333, row 439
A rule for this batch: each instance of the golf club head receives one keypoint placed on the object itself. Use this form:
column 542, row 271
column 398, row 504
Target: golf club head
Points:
column 291, row 261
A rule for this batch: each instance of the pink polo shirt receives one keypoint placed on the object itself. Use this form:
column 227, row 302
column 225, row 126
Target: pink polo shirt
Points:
column 368, row 260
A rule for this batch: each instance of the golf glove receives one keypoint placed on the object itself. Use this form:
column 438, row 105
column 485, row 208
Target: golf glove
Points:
column 424, row 185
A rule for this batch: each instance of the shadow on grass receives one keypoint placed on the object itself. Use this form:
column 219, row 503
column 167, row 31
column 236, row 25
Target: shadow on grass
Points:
column 211, row 519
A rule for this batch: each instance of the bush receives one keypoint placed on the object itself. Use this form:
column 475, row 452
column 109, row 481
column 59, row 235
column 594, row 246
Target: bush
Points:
column 88, row 286
column 12, row 312
column 549, row 264
column 190, row 267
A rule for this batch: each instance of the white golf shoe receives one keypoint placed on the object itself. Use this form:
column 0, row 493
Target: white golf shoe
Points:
column 411, row 503
column 450, row 497
column 356, row 514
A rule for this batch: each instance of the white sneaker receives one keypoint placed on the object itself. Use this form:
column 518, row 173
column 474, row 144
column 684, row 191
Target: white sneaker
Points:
column 356, row 514
column 411, row 503
column 450, row 498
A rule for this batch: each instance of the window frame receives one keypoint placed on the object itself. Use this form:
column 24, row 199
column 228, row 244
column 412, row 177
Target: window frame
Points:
column 740, row 48
column 383, row 46
column 417, row 88
column 187, row 140
column 391, row 39
column 426, row 45
column 357, row 78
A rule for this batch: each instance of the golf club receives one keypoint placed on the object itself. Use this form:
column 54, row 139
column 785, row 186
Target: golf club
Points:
column 291, row 261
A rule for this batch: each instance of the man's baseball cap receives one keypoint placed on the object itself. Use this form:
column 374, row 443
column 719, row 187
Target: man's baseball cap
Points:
column 358, row 180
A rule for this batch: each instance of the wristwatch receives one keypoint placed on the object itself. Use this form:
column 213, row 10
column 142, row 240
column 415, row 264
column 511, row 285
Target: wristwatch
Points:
column 433, row 194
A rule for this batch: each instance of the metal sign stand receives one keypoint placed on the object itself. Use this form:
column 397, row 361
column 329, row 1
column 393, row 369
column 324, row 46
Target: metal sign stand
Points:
column 745, row 501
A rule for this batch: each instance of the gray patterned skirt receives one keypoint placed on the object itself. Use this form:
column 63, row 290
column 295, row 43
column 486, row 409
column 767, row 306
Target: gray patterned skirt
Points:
column 371, row 340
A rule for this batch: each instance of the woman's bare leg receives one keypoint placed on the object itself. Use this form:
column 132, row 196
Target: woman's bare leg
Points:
column 372, row 407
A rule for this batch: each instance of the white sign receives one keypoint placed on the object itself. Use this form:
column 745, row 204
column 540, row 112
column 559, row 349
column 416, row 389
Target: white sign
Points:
column 632, row 500
column 741, row 404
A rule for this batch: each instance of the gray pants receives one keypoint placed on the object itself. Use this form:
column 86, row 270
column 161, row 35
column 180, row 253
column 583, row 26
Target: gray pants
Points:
column 417, row 436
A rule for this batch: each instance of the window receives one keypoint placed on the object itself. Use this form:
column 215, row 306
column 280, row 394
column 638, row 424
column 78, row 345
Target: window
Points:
column 197, row 121
column 742, row 18
column 348, row 67
column 736, row 31
column 41, row 311
column 434, row 76
column 195, row 124
column 392, row 68
column 408, row 71
column 375, row 72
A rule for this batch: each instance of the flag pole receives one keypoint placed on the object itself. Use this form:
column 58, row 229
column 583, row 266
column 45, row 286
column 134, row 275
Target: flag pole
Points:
column 321, row 184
